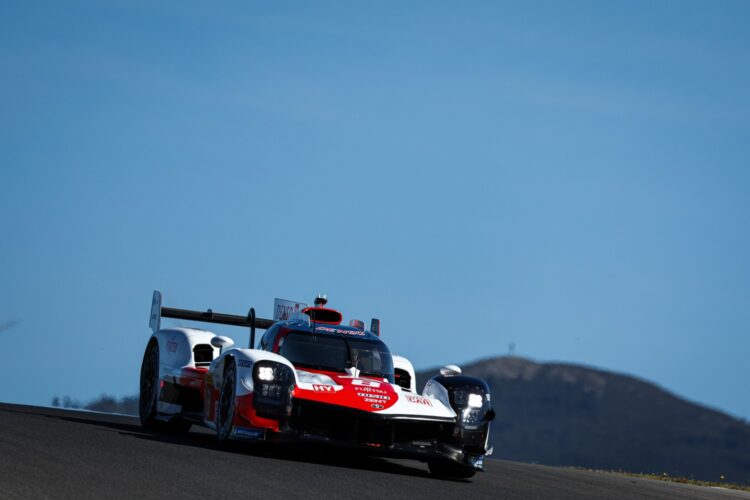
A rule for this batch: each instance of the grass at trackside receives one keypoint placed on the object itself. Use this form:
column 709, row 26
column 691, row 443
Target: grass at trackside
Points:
column 676, row 479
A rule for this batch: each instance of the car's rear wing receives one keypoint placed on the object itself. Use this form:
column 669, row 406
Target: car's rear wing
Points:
column 250, row 321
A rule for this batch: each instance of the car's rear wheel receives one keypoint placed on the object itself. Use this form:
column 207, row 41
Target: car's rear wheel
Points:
column 227, row 403
column 149, row 395
column 446, row 469
column 149, row 387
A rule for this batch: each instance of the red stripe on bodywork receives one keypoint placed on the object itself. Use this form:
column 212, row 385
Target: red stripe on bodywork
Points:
column 194, row 378
column 245, row 414
column 361, row 393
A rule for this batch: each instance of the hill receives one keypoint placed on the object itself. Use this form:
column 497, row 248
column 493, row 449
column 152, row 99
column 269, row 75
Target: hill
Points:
column 562, row 414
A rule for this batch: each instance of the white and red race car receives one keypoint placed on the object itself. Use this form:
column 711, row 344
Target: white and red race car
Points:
column 310, row 379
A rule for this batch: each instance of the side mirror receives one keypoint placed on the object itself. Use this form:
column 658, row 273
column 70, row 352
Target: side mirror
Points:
column 450, row 371
column 222, row 342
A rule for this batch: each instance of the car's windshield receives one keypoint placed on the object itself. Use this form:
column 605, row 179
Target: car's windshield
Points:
column 327, row 352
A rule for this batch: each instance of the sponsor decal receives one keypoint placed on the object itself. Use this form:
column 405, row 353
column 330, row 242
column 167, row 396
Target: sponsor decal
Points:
column 339, row 330
column 286, row 309
column 373, row 396
column 372, row 390
column 172, row 345
column 365, row 382
column 377, row 406
column 248, row 433
column 323, row 388
column 419, row 400
column 245, row 363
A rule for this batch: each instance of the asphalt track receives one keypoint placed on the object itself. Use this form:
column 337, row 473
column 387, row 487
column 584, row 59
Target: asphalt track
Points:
column 53, row 453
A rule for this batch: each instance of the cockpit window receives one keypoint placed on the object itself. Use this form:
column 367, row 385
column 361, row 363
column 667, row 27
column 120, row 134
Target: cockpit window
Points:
column 328, row 352
column 267, row 339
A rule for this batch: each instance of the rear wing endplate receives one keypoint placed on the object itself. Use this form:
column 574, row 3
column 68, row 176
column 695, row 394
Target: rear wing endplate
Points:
column 249, row 321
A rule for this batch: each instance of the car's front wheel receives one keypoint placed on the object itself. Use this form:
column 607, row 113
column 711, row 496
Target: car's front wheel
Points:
column 227, row 403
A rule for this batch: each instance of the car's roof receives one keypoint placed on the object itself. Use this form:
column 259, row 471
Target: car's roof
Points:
column 325, row 329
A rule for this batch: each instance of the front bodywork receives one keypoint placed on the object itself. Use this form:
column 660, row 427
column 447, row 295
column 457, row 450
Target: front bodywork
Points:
column 338, row 409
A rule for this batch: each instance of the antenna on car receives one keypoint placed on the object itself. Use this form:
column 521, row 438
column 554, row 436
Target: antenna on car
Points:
column 320, row 301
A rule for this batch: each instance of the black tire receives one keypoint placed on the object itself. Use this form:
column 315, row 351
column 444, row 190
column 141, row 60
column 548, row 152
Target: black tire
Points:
column 450, row 470
column 149, row 395
column 149, row 387
column 227, row 403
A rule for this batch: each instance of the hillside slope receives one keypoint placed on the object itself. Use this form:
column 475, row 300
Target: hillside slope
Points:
column 561, row 414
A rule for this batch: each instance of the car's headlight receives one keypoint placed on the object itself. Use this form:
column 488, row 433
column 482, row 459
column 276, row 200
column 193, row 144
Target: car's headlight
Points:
column 272, row 380
column 265, row 373
column 466, row 396
column 476, row 400
column 469, row 403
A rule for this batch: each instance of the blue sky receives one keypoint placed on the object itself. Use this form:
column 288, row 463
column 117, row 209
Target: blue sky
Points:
column 568, row 176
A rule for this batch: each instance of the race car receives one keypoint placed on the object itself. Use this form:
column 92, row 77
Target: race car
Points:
column 310, row 379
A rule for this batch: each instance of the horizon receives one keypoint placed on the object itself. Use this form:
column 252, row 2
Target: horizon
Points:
column 745, row 421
